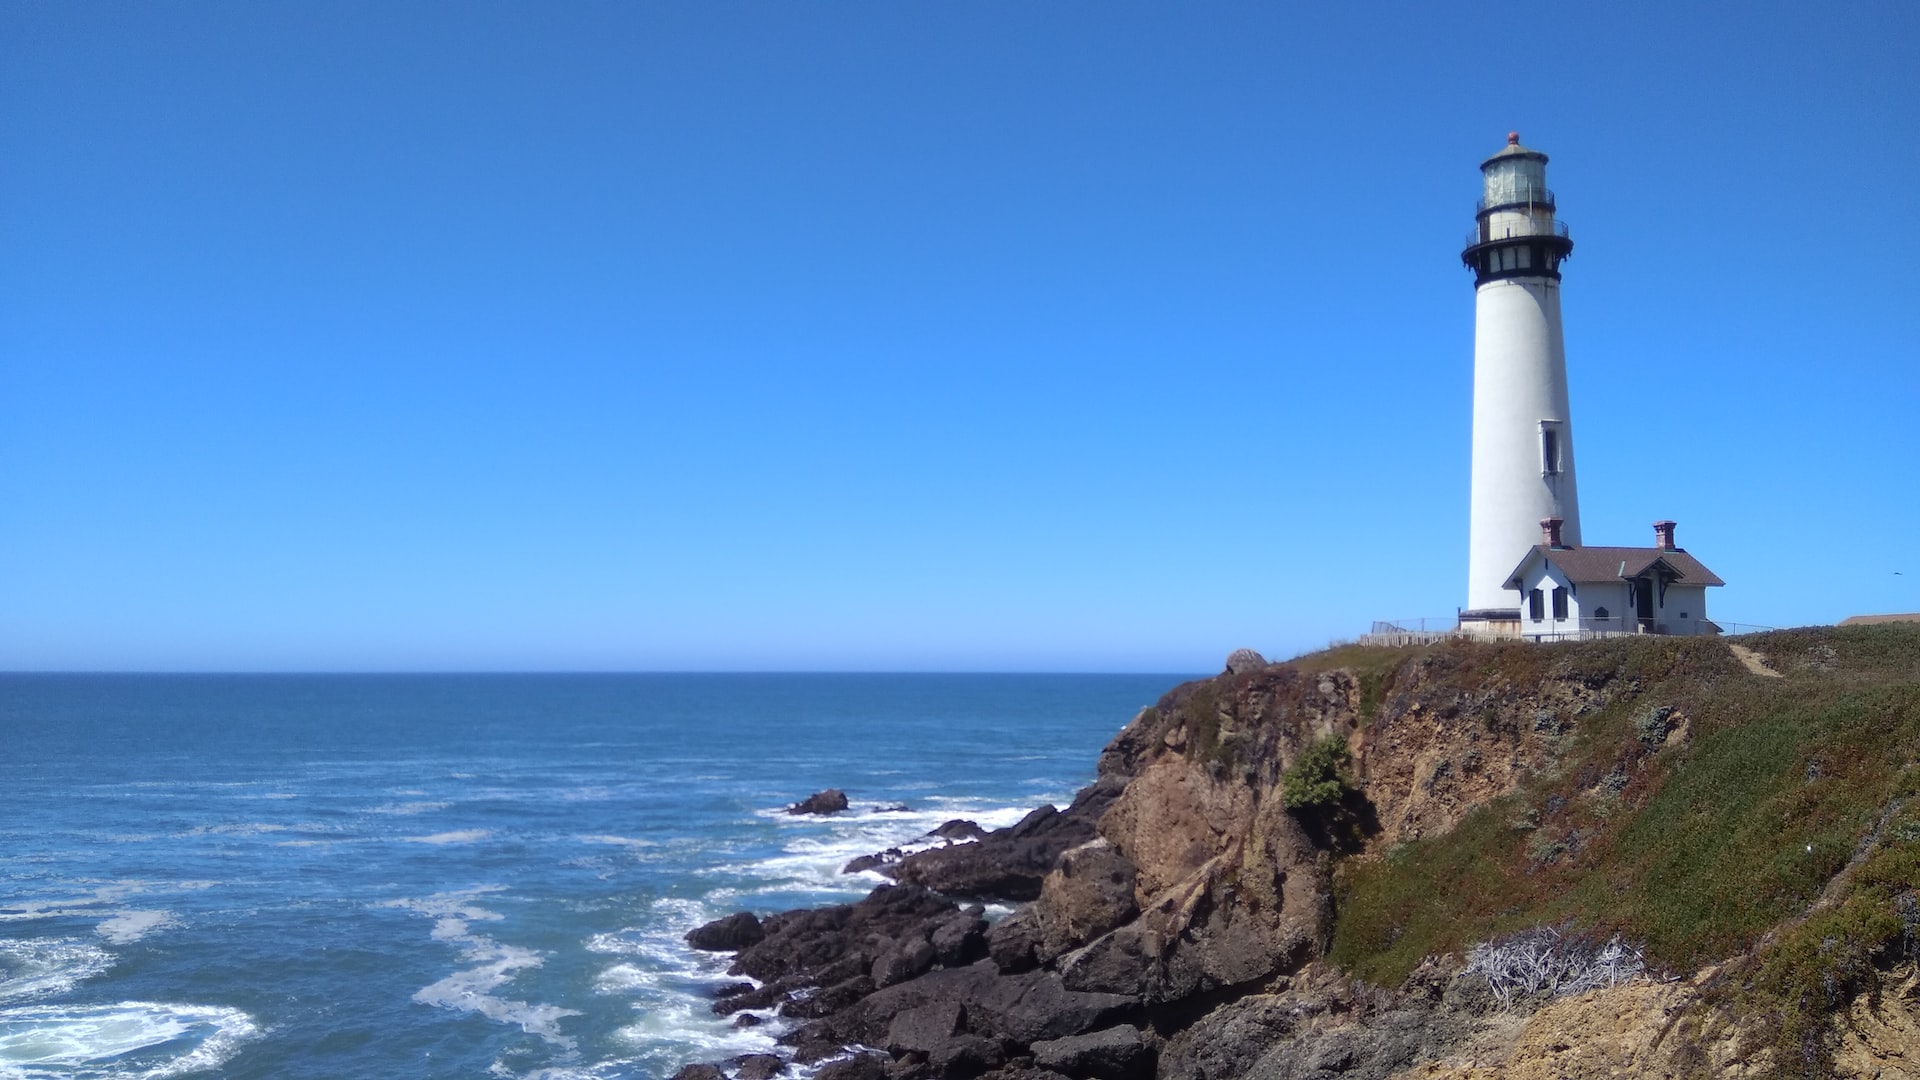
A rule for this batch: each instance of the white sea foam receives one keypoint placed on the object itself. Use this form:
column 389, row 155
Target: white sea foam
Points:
column 128, row 927
column 619, row 841
column 461, row 836
column 38, row 967
column 132, row 1040
column 409, row 808
column 237, row 828
column 495, row 964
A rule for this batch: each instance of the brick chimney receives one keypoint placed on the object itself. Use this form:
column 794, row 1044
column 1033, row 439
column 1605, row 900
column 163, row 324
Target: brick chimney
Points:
column 1663, row 536
column 1550, row 531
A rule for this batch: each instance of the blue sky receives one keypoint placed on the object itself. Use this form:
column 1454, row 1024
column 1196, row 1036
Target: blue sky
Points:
column 984, row 336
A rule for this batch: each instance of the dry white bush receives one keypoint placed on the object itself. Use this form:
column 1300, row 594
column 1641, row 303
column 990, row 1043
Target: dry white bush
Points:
column 1544, row 960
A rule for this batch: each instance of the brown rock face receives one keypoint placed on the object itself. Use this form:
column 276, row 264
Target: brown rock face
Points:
column 1089, row 892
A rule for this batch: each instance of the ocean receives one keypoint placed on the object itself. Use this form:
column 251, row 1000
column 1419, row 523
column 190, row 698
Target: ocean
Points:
column 328, row 876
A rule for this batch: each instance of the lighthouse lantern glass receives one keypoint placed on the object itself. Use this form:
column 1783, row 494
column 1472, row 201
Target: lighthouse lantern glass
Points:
column 1516, row 180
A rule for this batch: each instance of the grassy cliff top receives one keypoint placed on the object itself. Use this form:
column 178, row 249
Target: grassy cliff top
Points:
column 1752, row 811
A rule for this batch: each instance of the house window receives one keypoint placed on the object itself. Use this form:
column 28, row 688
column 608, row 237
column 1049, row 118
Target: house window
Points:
column 1559, row 603
column 1536, row 606
column 1600, row 613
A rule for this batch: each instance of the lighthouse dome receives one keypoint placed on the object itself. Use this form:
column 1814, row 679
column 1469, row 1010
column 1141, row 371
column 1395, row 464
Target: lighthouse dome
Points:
column 1513, row 149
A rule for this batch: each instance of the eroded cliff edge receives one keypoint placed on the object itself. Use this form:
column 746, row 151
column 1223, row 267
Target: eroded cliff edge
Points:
column 1284, row 871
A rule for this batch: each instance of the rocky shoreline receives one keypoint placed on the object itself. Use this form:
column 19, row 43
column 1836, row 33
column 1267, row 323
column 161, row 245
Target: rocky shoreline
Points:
column 1143, row 910
column 1176, row 919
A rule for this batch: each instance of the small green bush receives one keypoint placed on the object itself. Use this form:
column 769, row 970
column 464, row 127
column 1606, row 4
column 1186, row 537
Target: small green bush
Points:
column 1318, row 778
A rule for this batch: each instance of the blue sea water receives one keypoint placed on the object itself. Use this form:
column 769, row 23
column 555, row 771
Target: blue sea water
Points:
column 468, row 875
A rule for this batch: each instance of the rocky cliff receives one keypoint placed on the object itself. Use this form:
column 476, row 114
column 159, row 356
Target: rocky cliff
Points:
column 1651, row 857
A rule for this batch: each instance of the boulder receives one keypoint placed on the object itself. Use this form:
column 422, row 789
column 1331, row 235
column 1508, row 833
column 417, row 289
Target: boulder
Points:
column 757, row 1067
column 1088, row 893
column 765, row 997
column 959, row 829
column 700, row 1072
column 966, row 1055
column 902, row 960
column 1010, row 863
column 1241, row 661
column 1014, row 942
column 827, row 945
column 1034, row 1006
column 830, row 801
column 1113, row 1053
column 730, row 934
column 859, row 1067
column 959, row 939
column 925, row 1028
column 873, row 862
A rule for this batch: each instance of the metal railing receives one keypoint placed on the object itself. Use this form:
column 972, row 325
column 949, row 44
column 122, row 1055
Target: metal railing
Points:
column 1423, row 630
column 1418, row 631
column 1592, row 629
column 1520, row 227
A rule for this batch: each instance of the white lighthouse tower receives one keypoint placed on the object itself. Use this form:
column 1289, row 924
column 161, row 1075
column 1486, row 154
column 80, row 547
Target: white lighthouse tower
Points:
column 1522, row 424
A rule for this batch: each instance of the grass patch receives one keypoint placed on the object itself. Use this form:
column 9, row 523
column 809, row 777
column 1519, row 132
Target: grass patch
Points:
column 1374, row 667
column 1695, row 847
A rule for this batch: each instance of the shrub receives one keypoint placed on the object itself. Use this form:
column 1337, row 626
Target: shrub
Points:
column 1545, row 961
column 1318, row 779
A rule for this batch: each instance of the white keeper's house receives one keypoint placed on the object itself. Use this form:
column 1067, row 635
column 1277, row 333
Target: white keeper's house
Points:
column 1588, row 591
column 1529, row 575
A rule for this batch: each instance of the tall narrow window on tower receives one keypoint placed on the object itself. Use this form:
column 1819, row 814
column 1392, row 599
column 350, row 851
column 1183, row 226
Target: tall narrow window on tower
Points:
column 1549, row 448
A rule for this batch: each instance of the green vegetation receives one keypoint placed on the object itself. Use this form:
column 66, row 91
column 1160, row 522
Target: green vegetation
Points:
column 1373, row 666
column 1706, row 813
column 1318, row 779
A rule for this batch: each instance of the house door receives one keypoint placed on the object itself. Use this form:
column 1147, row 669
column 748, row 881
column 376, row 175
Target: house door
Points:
column 1643, row 603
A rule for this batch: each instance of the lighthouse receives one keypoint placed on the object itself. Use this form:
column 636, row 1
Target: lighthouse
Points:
column 1523, row 475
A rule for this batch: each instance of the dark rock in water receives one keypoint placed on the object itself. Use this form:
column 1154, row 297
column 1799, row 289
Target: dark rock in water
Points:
column 700, row 1072
column 863, row 1067
column 1241, row 661
column 896, row 808
column 733, row 989
column 828, row 1000
column 830, row 801
column 731, row 934
column 766, row 997
column 831, row 944
column 757, row 1067
column 1010, row 863
column 874, row 862
column 959, row 829
column 813, row 1043
column 747, row 1020
column 1112, row 1054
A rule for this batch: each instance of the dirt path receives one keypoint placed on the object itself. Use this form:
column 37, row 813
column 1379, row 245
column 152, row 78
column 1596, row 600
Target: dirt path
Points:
column 1753, row 661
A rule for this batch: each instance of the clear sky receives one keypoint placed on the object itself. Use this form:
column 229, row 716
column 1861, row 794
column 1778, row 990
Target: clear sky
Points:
column 925, row 336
